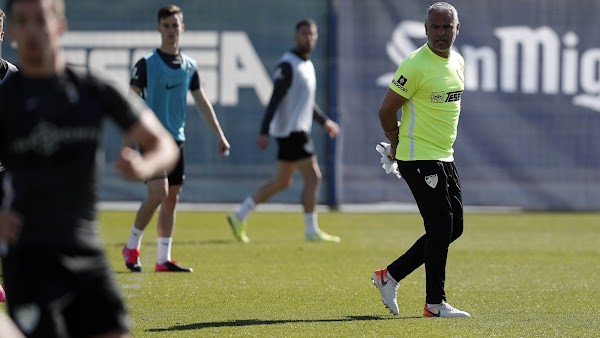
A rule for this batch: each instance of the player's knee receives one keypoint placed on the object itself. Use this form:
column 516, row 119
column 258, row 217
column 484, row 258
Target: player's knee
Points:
column 317, row 180
column 157, row 196
column 283, row 183
column 440, row 236
column 440, row 227
column 170, row 201
column 312, row 181
column 457, row 229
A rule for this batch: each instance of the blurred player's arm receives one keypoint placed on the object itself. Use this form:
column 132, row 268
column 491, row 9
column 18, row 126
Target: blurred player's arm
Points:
column 208, row 112
column 282, row 80
column 8, row 328
column 160, row 150
column 141, row 125
column 136, row 90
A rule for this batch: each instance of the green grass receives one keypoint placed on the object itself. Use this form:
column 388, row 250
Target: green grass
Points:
column 519, row 275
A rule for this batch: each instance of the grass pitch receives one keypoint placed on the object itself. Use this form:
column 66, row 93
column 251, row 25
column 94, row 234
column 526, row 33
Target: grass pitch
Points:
column 519, row 275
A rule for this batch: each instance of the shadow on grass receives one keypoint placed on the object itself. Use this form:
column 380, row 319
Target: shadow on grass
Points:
column 254, row 322
column 179, row 243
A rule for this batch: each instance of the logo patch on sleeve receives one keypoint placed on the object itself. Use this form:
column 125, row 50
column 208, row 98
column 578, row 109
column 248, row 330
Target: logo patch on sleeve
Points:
column 402, row 80
column 400, row 83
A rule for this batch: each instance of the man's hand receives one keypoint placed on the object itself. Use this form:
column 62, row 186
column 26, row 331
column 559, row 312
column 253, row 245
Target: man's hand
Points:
column 262, row 141
column 128, row 142
column 131, row 165
column 224, row 146
column 392, row 135
column 331, row 128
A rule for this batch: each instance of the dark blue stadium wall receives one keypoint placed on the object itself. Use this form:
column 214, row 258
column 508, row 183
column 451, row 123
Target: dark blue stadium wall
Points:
column 528, row 133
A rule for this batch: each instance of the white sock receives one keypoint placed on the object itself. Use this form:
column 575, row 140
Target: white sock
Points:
column 245, row 208
column 164, row 249
column 135, row 239
column 312, row 226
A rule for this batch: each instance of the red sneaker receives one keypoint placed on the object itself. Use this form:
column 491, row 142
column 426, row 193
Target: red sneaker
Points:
column 171, row 266
column 132, row 259
column 2, row 295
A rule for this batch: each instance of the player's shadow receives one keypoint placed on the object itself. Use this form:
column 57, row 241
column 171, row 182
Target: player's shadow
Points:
column 179, row 243
column 254, row 322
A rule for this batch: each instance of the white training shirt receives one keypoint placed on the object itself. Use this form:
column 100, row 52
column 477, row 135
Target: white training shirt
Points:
column 295, row 112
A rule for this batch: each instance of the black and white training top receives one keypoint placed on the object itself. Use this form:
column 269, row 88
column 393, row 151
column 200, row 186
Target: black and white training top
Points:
column 292, row 107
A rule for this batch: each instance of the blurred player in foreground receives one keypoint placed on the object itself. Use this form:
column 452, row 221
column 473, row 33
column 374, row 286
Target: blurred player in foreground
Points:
column 6, row 68
column 58, row 280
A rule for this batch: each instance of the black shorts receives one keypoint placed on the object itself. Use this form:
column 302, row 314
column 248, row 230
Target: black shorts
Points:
column 74, row 293
column 177, row 176
column 297, row 146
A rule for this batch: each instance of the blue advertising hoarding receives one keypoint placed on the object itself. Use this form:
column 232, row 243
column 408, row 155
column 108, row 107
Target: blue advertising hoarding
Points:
column 528, row 132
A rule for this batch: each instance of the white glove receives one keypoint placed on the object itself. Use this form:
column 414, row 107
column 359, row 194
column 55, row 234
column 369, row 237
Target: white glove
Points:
column 389, row 165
